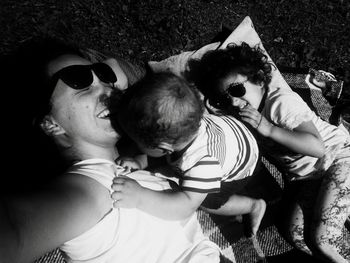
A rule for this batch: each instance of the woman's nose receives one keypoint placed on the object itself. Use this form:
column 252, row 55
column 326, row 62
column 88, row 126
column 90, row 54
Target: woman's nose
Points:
column 99, row 84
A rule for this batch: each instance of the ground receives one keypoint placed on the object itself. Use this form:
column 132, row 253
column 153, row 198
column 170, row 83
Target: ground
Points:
column 300, row 33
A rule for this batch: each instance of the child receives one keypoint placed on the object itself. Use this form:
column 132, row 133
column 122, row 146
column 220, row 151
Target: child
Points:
column 213, row 156
column 314, row 154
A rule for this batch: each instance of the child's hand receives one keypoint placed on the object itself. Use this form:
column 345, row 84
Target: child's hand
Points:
column 256, row 120
column 130, row 164
column 127, row 192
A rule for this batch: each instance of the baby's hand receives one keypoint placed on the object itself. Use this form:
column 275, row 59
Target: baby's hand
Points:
column 127, row 192
column 130, row 164
column 256, row 120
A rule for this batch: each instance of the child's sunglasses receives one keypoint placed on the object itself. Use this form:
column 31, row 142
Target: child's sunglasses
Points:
column 223, row 101
column 236, row 90
column 80, row 76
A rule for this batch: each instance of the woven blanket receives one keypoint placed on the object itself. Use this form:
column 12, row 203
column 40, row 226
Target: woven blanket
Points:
column 228, row 233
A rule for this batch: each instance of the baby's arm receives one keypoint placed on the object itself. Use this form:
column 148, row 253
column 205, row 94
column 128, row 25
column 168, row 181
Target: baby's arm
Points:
column 137, row 162
column 303, row 139
column 130, row 155
column 167, row 205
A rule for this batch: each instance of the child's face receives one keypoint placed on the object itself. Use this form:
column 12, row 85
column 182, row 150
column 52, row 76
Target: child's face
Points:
column 242, row 91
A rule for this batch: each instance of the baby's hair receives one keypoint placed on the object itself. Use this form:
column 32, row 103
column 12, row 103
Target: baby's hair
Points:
column 206, row 73
column 161, row 107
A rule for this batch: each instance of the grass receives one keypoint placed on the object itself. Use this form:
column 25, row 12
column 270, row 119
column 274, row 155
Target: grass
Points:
column 300, row 33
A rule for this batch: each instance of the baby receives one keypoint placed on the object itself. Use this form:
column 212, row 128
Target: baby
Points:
column 213, row 156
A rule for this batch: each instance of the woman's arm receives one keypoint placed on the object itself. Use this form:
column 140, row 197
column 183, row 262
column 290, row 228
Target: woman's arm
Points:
column 38, row 223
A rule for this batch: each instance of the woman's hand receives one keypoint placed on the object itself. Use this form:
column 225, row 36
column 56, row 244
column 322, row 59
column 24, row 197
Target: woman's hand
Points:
column 256, row 120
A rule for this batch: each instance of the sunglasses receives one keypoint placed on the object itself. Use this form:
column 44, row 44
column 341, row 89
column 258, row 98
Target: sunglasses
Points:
column 80, row 76
column 223, row 100
column 236, row 90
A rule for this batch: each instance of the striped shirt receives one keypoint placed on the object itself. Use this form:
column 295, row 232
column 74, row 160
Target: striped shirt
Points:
column 224, row 150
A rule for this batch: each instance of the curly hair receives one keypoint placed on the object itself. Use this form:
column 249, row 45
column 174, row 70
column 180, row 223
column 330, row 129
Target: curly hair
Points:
column 161, row 107
column 206, row 73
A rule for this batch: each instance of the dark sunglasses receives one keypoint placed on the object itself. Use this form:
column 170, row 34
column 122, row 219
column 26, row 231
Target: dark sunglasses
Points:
column 236, row 90
column 223, row 101
column 80, row 76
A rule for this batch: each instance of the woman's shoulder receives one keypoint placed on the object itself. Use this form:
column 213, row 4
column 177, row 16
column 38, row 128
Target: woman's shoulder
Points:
column 89, row 184
column 86, row 190
column 62, row 210
column 80, row 202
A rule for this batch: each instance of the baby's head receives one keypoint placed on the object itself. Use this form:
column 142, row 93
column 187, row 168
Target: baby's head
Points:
column 216, row 66
column 161, row 113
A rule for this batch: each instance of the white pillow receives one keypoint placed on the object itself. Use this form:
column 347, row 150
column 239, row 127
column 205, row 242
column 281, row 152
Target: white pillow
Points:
column 177, row 63
column 244, row 32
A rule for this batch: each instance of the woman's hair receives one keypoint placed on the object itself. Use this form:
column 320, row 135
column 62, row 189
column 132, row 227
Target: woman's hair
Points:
column 207, row 73
column 161, row 107
column 32, row 59
column 24, row 85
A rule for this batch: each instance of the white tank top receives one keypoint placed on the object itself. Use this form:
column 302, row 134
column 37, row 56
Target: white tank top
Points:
column 130, row 235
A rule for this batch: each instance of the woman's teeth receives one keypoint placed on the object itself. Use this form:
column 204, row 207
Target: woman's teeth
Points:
column 103, row 114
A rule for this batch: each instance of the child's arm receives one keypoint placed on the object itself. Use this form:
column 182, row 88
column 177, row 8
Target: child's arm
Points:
column 130, row 155
column 304, row 139
column 167, row 205
column 137, row 162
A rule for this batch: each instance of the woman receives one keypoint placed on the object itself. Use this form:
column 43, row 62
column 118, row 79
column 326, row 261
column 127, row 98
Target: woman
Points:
column 74, row 211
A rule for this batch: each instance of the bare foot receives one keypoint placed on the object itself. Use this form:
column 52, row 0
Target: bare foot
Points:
column 256, row 215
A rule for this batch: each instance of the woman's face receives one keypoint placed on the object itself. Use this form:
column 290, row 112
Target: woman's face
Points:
column 82, row 113
column 253, row 92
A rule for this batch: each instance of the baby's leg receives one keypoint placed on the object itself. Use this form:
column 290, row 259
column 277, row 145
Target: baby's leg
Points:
column 243, row 205
column 331, row 211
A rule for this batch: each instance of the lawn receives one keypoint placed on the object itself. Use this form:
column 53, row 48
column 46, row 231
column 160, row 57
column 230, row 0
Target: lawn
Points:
column 300, row 33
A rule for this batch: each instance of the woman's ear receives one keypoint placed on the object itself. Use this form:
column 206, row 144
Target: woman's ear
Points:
column 51, row 127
